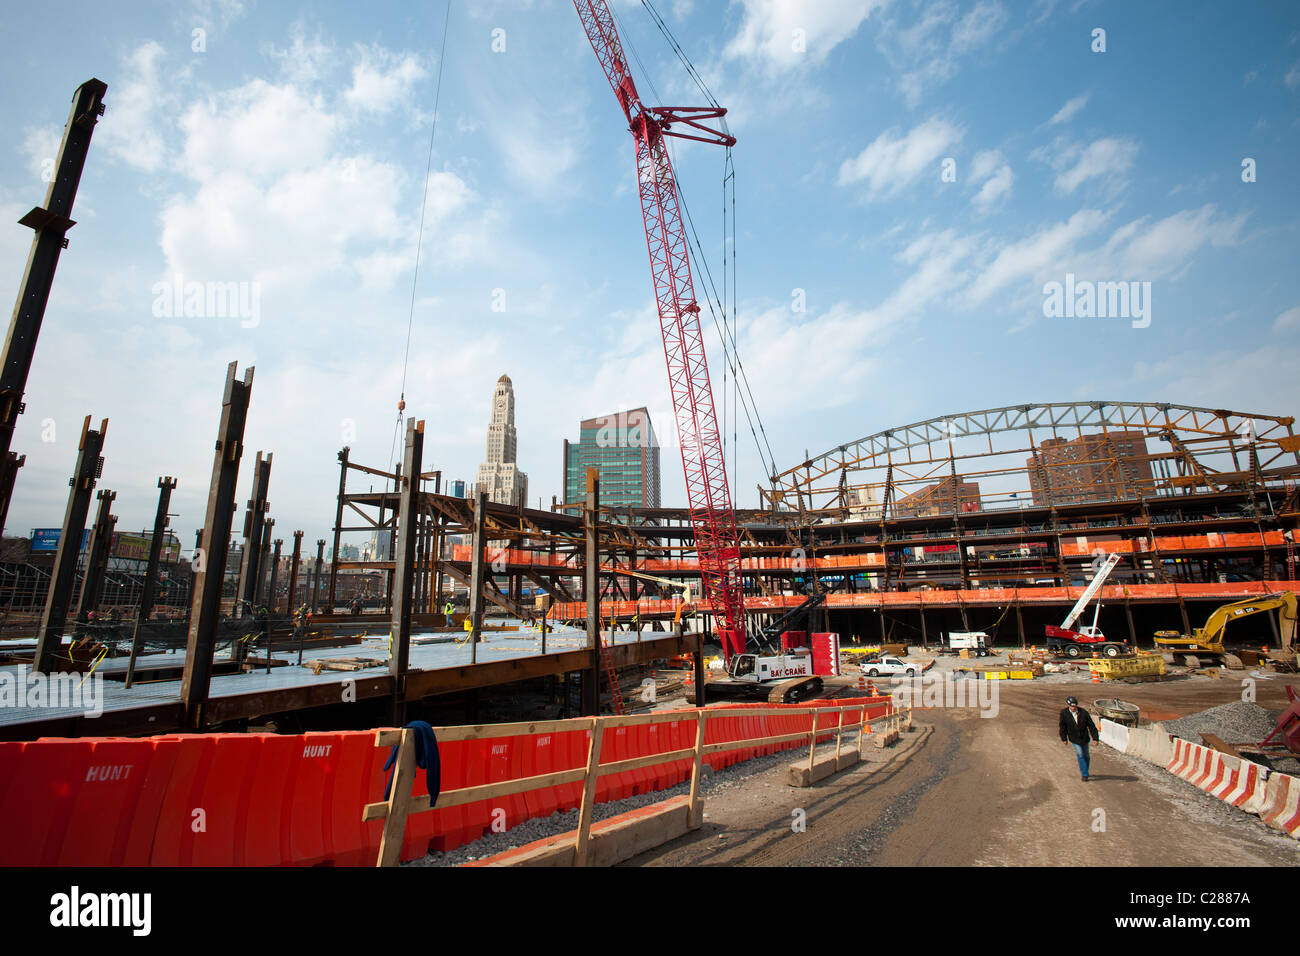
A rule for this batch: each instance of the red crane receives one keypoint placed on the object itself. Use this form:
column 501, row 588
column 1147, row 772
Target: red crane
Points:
column 712, row 517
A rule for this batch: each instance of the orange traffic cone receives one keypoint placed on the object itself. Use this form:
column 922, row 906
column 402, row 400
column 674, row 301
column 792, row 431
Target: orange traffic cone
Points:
column 1096, row 677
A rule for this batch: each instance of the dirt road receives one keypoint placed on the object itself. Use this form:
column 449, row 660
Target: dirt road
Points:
column 990, row 791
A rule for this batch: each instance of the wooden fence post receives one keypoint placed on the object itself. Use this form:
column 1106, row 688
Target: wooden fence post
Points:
column 697, row 803
column 581, row 841
column 812, row 744
column 399, row 799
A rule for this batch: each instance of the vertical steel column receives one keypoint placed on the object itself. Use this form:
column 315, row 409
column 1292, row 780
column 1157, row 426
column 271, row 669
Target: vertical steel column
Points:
column 406, row 532
column 338, row 526
column 50, row 223
column 294, row 561
column 320, row 567
column 150, row 590
column 476, row 574
column 269, row 603
column 251, row 564
column 591, row 592
column 89, row 466
column 210, row 565
column 101, row 543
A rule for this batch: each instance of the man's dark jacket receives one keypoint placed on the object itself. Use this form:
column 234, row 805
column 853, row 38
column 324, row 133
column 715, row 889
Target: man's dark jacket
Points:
column 1077, row 732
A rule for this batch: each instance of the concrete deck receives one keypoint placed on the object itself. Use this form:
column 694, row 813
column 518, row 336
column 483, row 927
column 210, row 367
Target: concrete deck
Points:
column 438, row 664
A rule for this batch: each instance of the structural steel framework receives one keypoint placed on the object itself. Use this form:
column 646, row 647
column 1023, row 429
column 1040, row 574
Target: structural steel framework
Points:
column 1187, row 449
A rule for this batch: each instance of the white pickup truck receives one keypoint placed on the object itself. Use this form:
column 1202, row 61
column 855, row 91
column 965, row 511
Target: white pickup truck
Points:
column 889, row 667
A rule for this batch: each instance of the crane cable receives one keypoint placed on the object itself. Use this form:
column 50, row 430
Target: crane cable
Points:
column 419, row 239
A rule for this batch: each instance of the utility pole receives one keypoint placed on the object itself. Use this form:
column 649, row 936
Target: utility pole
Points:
column 50, row 223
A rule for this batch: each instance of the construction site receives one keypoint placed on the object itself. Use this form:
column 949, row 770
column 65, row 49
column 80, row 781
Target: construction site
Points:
column 596, row 684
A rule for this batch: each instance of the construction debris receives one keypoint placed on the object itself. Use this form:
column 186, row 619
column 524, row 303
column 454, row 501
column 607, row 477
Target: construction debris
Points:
column 344, row 664
column 1237, row 722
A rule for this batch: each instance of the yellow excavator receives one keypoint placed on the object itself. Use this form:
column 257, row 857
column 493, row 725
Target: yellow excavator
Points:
column 1206, row 644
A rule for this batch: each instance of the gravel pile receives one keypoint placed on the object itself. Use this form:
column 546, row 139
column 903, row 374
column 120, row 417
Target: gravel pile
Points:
column 529, row 831
column 1238, row 722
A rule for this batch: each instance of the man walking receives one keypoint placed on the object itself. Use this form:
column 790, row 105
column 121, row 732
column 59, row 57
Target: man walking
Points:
column 1077, row 728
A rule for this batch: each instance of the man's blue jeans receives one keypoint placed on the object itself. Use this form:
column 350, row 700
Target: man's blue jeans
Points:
column 1081, row 751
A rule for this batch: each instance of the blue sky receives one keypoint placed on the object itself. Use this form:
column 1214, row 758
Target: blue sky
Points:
column 290, row 153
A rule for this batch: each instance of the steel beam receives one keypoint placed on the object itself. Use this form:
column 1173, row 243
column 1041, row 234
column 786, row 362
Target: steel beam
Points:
column 211, row 568
column 89, row 466
column 250, row 567
column 320, row 567
column 406, row 532
column 101, row 543
column 591, row 594
column 338, row 526
column 50, row 223
column 476, row 573
column 269, row 603
column 294, row 560
column 150, row 589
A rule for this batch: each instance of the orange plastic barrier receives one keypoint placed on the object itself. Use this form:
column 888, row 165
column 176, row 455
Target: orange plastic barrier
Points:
column 265, row 799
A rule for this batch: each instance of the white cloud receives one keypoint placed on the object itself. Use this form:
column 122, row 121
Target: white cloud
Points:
column 999, row 179
column 1108, row 159
column 929, row 52
column 892, row 161
column 1139, row 250
column 1292, row 78
column 772, row 30
column 1033, row 255
column 260, row 129
column 130, row 129
column 305, row 60
column 1069, row 110
column 42, row 148
column 381, row 79
column 1290, row 319
column 280, row 202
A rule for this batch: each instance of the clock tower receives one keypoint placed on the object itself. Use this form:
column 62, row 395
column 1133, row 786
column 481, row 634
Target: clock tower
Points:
column 499, row 475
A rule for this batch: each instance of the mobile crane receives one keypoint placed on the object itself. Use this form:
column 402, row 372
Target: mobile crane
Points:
column 1064, row 639
column 709, row 496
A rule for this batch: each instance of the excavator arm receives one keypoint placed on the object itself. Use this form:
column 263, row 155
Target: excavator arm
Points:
column 1217, row 623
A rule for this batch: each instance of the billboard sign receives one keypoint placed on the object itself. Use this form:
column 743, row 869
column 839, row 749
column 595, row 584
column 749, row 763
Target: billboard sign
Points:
column 46, row 540
column 135, row 547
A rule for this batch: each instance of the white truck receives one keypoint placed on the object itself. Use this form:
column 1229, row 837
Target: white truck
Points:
column 889, row 667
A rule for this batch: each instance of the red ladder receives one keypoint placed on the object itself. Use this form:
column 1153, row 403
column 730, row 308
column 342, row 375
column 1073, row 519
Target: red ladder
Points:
column 608, row 661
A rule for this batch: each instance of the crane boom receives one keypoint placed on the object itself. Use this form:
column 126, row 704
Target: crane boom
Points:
column 1091, row 590
column 712, row 518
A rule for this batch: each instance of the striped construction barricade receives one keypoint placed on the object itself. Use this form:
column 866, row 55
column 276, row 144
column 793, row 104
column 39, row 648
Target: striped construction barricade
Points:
column 1183, row 759
column 1216, row 768
column 1247, row 788
column 1282, row 804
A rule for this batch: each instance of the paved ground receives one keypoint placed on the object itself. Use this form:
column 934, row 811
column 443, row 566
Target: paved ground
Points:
column 964, row 790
